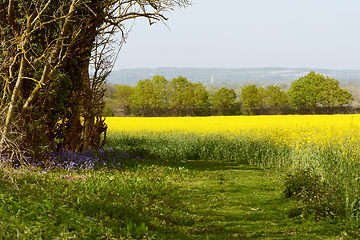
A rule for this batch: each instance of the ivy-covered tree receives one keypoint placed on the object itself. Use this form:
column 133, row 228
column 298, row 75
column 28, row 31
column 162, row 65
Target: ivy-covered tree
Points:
column 54, row 59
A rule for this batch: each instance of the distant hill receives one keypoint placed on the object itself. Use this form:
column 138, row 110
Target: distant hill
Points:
column 204, row 75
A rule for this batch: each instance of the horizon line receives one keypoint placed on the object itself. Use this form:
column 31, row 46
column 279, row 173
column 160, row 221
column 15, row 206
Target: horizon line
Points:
column 329, row 69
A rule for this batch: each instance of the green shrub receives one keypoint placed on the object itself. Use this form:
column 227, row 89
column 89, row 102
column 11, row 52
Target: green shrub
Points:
column 317, row 197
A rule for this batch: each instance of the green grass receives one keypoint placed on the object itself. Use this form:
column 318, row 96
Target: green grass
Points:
column 334, row 164
column 157, row 199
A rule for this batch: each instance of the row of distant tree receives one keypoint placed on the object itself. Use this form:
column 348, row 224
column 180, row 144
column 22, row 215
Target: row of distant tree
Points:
column 179, row 97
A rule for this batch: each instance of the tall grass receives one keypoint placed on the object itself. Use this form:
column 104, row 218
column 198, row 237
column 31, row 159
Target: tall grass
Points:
column 213, row 147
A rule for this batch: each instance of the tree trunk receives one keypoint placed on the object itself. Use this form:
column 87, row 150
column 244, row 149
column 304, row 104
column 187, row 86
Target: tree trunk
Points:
column 12, row 104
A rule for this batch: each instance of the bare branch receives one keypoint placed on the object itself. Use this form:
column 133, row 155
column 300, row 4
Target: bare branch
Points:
column 40, row 13
column 54, row 52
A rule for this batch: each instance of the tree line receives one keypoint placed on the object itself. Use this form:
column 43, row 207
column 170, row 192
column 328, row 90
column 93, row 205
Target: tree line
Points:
column 180, row 97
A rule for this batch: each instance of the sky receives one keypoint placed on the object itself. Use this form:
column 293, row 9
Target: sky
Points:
column 317, row 34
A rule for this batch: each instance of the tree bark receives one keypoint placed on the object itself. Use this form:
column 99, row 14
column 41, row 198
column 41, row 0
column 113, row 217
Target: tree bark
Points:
column 12, row 104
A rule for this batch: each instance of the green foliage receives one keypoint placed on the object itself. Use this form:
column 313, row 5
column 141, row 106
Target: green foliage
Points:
column 123, row 96
column 181, row 93
column 333, row 95
column 160, row 93
column 306, row 91
column 316, row 196
column 224, row 98
column 271, row 96
column 153, row 97
column 108, row 112
column 142, row 94
column 276, row 97
column 201, row 96
column 250, row 96
column 263, row 97
column 43, row 117
column 315, row 90
column 111, row 106
column 179, row 97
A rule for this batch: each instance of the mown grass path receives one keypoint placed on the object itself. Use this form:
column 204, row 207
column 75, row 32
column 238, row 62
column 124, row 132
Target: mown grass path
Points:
column 231, row 200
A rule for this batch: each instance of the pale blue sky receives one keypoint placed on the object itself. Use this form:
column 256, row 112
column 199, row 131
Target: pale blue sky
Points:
column 250, row 33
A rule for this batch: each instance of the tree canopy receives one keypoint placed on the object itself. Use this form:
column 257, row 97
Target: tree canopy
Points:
column 152, row 97
column 315, row 90
column 307, row 92
column 180, row 97
column 224, row 98
column 276, row 97
column 250, row 96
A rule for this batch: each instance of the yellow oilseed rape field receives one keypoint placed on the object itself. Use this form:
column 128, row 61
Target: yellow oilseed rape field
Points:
column 326, row 144
column 293, row 130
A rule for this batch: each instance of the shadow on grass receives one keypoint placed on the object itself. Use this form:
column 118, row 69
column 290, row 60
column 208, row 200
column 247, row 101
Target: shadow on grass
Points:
column 216, row 165
column 199, row 165
column 234, row 200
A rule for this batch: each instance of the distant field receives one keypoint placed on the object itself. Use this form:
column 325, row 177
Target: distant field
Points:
column 329, row 145
column 132, row 76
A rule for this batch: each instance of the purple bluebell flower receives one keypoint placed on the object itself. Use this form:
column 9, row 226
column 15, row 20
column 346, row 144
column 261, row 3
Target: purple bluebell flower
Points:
column 90, row 159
